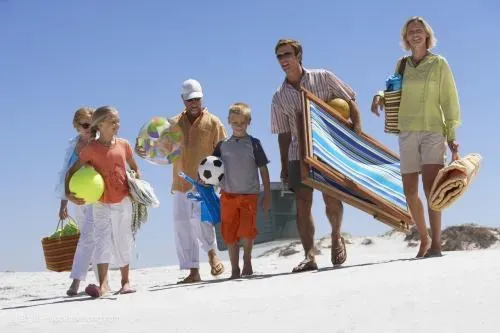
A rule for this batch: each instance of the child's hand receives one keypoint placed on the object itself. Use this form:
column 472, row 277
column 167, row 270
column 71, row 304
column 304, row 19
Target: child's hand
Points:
column 63, row 212
column 139, row 150
column 77, row 201
column 265, row 202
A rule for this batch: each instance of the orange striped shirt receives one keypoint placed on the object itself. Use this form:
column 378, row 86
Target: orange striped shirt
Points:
column 287, row 102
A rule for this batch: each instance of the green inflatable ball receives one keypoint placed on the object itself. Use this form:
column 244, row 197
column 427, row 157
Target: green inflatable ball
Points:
column 70, row 229
column 87, row 184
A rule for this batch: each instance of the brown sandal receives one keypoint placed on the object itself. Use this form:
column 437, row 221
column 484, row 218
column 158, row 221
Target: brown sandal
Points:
column 189, row 279
column 217, row 269
column 305, row 266
column 339, row 253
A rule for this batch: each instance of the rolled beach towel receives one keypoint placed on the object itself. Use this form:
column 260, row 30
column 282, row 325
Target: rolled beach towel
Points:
column 452, row 181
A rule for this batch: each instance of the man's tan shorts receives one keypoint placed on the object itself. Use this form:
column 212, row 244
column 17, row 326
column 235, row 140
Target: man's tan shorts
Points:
column 420, row 148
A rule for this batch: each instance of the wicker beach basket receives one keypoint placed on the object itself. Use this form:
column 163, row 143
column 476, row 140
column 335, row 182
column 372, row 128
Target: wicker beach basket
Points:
column 59, row 251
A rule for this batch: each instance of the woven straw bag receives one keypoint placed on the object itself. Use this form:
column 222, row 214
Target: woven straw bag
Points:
column 59, row 251
column 392, row 100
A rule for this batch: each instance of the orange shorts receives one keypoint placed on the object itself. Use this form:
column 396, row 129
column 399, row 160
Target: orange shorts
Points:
column 238, row 216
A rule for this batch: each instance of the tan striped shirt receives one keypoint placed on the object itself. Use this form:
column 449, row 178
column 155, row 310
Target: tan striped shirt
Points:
column 287, row 102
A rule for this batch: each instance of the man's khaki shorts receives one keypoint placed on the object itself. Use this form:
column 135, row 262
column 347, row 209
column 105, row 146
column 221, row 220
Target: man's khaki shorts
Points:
column 420, row 148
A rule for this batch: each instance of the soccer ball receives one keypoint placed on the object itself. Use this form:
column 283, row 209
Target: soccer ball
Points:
column 211, row 170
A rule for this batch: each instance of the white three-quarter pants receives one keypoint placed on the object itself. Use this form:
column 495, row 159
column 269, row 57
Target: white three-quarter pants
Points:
column 113, row 233
column 190, row 232
column 85, row 248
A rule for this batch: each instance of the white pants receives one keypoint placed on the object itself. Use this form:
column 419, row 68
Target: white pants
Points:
column 85, row 247
column 113, row 233
column 190, row 232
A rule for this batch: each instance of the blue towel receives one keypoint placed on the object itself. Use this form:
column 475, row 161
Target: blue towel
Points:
column 209, row 201
column 394, row 83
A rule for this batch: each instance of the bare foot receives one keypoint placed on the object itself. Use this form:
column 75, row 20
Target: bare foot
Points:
column 126, row 289
column 235, row 274
column 73, row 289
column 431, row 253
column 247, row 269
column 191, row 278
column 425, row 245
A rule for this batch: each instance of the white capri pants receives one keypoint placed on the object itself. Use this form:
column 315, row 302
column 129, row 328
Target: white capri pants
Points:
column 85, row 248
column 190, row 232
column 113, row 232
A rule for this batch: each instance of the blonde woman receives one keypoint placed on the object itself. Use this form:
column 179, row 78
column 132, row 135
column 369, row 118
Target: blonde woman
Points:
column 428, row 117
column 83, row 214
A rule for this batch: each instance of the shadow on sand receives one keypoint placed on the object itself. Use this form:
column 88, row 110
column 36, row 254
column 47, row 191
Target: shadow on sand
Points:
column 81, row 297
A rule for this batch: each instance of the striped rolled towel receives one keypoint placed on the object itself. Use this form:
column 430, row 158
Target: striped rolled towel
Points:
column 392, row 100
column 453, row 180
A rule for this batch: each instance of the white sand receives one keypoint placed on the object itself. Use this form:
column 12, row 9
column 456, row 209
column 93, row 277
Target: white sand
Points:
column 378, row 290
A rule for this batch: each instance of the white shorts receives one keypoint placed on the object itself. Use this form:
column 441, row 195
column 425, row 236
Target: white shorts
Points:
column 421, row 148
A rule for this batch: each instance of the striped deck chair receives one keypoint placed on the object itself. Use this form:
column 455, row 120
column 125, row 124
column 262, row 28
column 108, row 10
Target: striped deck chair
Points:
column 354, row 168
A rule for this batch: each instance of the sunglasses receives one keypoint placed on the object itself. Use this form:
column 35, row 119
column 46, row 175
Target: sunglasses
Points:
column 284, row 55
column 84, row 125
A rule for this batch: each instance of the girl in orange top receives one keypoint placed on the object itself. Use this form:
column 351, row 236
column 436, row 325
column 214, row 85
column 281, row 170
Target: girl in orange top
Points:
column 109, row 155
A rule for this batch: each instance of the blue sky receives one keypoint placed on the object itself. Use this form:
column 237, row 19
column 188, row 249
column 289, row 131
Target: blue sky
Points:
column 59, row 55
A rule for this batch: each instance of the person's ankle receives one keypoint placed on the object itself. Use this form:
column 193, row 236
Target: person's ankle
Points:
column 425, row 239
column 310, row 256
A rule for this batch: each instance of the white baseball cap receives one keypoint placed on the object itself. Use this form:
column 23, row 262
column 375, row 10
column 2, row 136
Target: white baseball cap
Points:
column 191, row 89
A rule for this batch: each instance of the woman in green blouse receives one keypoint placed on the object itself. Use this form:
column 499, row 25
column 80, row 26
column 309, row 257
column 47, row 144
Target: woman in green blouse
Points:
column 429, row 113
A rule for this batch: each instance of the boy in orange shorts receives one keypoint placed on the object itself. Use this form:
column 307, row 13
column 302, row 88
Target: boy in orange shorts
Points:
column 243, row 158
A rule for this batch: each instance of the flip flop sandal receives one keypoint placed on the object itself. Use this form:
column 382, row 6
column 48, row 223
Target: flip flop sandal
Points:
column 71, row 292
column 305, row 266
column 189, row 280
column 339, row 253
column 93, row 291
column 218, row 269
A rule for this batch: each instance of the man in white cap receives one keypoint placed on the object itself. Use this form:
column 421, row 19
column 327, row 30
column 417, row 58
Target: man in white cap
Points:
column 202, row 131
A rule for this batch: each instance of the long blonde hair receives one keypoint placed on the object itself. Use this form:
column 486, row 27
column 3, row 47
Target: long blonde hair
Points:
column 98, row 117
column 83, row 112
column 431, row 40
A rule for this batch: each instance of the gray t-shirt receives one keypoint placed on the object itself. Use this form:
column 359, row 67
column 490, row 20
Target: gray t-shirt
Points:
column 242, row 157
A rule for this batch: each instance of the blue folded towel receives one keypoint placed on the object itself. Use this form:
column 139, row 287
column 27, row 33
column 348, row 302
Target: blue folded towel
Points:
column 393, row 83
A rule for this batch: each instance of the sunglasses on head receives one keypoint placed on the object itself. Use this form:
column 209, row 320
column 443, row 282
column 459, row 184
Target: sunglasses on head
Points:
column 84, row 125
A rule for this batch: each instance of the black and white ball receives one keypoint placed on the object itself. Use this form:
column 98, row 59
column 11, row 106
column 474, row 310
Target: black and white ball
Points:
column 211, row 170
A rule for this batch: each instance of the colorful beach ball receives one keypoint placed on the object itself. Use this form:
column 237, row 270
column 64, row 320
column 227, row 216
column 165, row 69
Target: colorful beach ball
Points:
column 161, row 139
column 156, row 126
column 87, row 184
